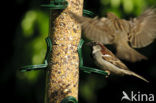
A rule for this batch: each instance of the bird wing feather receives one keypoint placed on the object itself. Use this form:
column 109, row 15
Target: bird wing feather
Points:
column 95, row 29
column 143, row 30
column 115, row 62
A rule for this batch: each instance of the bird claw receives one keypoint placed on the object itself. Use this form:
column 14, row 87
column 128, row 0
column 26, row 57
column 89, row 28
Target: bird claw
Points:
column 108, row 73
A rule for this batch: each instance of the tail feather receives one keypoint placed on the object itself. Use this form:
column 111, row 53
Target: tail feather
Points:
column 128, row 72
column 124, row 51
column 138, row 76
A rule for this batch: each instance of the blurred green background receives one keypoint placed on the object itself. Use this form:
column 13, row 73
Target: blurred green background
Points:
column 27, row 27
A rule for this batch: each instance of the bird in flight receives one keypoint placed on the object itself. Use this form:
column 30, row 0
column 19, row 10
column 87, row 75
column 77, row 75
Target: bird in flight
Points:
column 124, row 34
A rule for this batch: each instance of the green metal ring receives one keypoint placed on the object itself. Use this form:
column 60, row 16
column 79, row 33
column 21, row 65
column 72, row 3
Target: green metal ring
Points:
column 88, row 13
column 56, row 4
column 62, row 4
column 33, row 67
column 69, row 99
column 40, row 66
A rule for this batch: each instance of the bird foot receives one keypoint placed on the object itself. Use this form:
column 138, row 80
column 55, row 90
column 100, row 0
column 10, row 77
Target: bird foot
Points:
column 108, row 72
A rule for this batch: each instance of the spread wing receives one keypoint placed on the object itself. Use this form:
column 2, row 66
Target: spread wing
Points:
column 143, row 30
column 96, row 29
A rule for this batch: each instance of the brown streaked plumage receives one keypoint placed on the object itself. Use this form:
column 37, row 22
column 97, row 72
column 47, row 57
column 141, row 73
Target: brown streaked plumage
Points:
column 107, row 61
column 138, row 32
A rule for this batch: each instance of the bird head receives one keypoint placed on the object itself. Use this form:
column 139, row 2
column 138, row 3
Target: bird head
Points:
column 96, row 46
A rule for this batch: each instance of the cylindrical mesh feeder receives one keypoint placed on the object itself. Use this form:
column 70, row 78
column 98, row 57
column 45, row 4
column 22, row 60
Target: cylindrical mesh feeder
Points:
column 63, row 70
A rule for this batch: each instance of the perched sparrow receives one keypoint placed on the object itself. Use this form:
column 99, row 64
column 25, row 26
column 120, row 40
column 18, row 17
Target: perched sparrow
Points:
column 138, row 32
column 107, row 61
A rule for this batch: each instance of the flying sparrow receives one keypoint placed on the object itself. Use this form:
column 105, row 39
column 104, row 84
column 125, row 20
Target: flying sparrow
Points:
column 107, row 61
column 138, row 32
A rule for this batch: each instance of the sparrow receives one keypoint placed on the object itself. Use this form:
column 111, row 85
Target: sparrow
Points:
column 108, row 62
column 123, row 34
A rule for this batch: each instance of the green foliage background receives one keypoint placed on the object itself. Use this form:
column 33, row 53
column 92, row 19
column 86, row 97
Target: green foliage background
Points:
column 30, row 48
